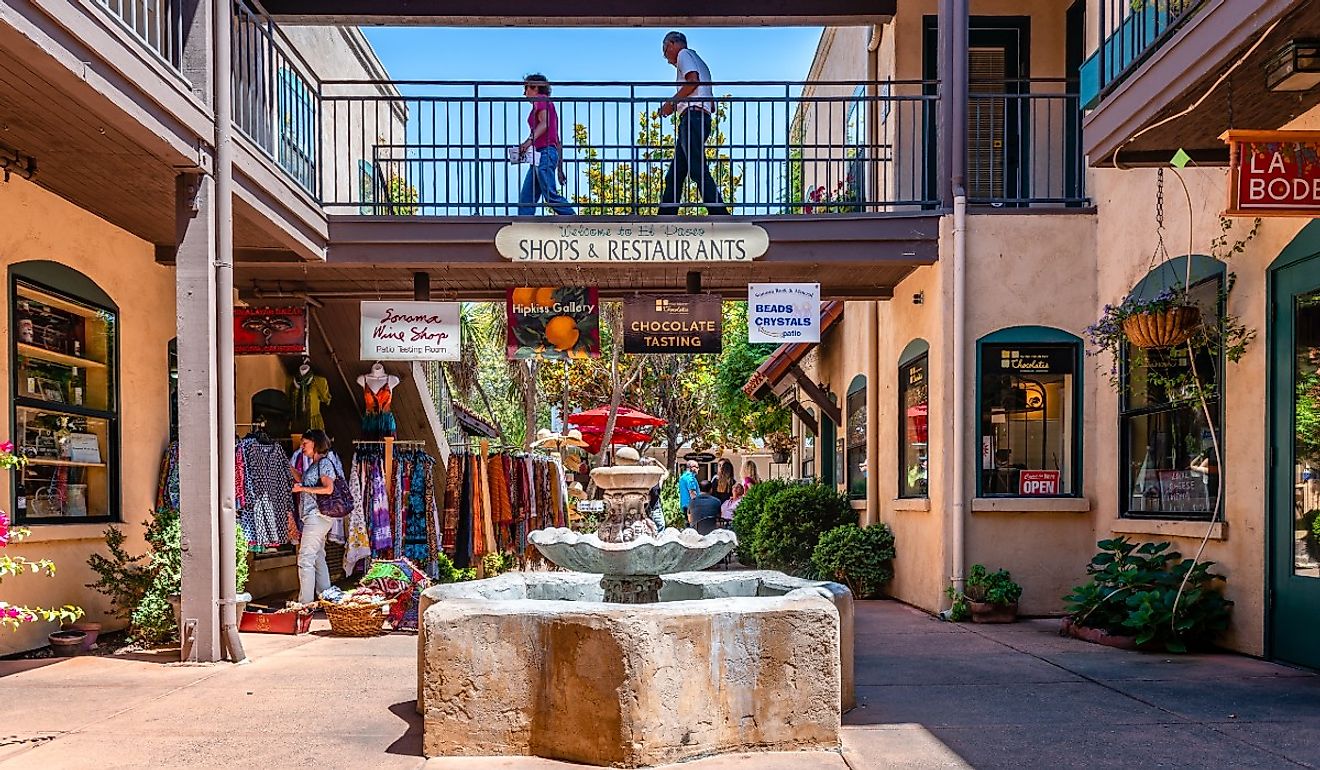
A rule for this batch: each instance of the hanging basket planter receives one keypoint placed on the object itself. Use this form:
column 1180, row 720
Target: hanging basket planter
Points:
column 1162, row 329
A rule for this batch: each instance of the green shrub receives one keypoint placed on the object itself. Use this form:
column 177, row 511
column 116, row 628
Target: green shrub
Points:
column 858, row 557
column 1134, row 590
column 674, row 516
column 748, row 513
column 792, row 522
column 995, row 588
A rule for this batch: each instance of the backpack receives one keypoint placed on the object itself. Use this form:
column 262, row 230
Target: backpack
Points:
column 339, row 503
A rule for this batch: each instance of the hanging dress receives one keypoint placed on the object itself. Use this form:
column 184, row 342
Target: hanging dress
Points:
column 378, row 421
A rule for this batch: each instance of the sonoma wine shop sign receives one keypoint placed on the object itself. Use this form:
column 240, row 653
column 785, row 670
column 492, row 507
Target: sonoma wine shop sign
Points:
column 1274, row 173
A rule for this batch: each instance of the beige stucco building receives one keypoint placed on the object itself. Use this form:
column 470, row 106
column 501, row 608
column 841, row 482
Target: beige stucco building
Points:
column 1037, row 274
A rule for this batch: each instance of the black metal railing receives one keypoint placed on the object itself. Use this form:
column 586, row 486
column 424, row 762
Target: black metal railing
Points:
column 157, row 24
column 276, row 96
column 1129, row 31
column 1024, row 144
column 775, row 148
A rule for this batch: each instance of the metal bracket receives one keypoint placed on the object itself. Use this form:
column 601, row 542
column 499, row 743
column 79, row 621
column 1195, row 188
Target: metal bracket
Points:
column 190, row 186
column 14, row 162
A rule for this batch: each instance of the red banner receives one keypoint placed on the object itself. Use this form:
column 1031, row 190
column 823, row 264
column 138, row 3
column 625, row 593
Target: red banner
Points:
column 270, row 330
column 1274, row 173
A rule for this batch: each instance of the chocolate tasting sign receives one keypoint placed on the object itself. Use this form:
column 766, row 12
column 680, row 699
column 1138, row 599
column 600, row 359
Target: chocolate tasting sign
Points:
column 631, row 242
column 672, row 323
column 1274, row 173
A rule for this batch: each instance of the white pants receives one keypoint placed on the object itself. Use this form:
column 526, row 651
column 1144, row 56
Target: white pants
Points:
column 313, row 573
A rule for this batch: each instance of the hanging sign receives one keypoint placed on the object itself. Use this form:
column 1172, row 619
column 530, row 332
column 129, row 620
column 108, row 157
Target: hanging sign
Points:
column 783, row 312
column 553, row 323
column 270, row 330
column 679, row 323
column 1274, row 173
column 410, row 331
column 1038, row 483
column 631, row 242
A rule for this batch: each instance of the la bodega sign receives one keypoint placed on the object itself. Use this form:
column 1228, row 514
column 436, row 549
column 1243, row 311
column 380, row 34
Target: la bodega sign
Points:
column 631, row 242
column 1274, row 173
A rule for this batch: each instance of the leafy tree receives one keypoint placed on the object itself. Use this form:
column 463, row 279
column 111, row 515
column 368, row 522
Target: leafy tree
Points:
column 613, row 186
column 741, row 418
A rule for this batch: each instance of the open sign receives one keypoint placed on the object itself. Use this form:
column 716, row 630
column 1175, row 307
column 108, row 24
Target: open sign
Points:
column 1038, row 483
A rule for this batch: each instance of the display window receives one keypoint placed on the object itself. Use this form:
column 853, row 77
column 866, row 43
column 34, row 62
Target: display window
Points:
column 63, row 355
column 855, row 450
column 1029, row 410
column 1169, row 466
column 913, row 432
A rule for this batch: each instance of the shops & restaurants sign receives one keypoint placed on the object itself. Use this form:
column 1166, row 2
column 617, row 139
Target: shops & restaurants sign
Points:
column 678, row 323
column 631, row 242
column 1274, row 173
column 410, row 331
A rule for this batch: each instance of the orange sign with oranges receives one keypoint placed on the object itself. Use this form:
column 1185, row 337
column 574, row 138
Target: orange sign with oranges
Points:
column 553, row 322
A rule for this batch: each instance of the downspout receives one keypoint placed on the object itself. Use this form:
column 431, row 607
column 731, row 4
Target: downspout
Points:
column 224, row 290
column 957, row 167
column 873, row 413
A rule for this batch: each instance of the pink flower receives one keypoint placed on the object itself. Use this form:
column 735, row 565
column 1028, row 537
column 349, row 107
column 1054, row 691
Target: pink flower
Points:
column 4, row 529
column 7, row 446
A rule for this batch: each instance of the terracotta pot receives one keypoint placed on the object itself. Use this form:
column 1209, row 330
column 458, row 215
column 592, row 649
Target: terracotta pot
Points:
column 92, row 630
column 984, row 612
column 66, row 644
column 1097, row 635
column 1162, row 330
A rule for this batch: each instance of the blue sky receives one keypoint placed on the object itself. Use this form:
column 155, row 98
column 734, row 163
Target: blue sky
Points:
column 628, row 54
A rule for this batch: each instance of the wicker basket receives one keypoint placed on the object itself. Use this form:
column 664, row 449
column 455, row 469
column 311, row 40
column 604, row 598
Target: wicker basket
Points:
column 1162, row 330
column 355, row 619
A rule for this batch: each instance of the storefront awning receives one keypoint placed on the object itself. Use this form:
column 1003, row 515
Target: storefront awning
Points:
column 784, row 362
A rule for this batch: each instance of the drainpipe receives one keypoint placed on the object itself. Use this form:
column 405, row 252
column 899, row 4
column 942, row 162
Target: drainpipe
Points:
column 957, row 537
column 873, row 412
column 224, row 324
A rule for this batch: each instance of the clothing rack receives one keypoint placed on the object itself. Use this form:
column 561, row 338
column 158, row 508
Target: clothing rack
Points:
column 389, row 443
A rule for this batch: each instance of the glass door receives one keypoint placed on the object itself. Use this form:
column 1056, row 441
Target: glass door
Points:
column 1295, row 519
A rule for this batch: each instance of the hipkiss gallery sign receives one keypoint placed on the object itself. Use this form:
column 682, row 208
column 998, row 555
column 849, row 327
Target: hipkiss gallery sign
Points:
column 410, row 331
column 1274, row 173
column 631, row 242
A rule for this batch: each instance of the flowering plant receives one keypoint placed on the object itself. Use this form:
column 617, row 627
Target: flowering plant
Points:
column 14, row 615
column 779, row 442
column 841, row 200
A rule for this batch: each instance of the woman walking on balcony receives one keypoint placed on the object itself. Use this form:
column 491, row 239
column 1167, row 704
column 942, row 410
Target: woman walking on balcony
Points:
column 545, row 149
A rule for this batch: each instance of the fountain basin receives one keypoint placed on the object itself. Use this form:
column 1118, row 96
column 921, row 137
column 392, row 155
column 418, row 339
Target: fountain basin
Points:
column 671, row 551
column 535, row 664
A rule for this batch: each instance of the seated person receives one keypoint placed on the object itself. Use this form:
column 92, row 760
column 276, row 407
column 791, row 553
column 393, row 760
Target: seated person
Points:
column 704, row 511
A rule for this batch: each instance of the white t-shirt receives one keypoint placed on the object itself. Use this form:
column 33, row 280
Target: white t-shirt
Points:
column 703, row 98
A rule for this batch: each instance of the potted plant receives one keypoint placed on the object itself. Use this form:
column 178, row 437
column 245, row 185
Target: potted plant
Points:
column 780, row 445
column 992, row 597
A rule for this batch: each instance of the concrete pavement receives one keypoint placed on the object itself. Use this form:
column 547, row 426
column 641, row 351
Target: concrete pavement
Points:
column 930, row 695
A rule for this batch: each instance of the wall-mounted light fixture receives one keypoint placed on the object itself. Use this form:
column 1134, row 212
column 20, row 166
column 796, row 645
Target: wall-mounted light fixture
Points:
column 1294, row 67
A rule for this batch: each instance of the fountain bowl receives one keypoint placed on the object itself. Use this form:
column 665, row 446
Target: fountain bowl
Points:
column 671, row 551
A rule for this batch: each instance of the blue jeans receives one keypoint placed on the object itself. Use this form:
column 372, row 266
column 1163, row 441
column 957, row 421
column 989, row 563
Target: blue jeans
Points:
column 540, row 183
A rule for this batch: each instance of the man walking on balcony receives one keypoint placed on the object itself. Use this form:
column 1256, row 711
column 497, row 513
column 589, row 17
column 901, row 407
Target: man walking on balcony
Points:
column 695, row 104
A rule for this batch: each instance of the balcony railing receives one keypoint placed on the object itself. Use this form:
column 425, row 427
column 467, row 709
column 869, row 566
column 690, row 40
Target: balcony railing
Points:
column 1024, row 145
column 444, row 148
column 157, row 24
column 1130, row 30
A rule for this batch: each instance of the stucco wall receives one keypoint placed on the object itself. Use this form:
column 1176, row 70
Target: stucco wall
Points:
column 41, row 226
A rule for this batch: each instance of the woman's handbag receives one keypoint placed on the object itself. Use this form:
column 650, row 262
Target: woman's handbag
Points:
column 339, row 503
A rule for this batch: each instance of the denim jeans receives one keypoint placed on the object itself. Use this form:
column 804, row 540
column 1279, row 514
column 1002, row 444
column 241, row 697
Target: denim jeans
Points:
column 540, row 183
column 313, row 572
column 690, row 163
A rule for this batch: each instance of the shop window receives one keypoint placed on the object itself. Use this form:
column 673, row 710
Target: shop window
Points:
column 855, row 442
column 1029, row 402
column 1168, row 464
column 64, row 368
column 913, row 410
column 172, row 363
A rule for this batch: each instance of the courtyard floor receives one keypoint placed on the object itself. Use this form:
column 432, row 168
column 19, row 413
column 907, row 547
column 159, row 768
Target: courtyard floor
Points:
column 930, row 695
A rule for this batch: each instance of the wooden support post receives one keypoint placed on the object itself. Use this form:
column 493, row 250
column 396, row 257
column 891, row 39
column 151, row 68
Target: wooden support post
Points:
column 817, row 394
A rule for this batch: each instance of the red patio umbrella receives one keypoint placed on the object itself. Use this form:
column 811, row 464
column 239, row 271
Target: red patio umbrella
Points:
column 631, row 426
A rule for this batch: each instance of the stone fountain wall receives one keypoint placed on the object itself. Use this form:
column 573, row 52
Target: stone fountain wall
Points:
column 535, row 664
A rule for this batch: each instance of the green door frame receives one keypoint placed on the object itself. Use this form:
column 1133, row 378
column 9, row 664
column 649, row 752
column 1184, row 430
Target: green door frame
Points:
column 1290, row 601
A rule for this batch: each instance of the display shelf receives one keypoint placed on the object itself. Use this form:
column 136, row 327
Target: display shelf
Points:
column 32, row 351
column 50, row 300
column 63, row 463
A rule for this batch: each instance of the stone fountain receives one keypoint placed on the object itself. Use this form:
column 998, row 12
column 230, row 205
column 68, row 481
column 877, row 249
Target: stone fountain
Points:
column 635, row 657
column 626, row 548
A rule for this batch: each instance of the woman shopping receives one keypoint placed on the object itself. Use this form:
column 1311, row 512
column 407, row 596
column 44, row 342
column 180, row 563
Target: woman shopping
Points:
column 318, row 479
column 545, row 150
